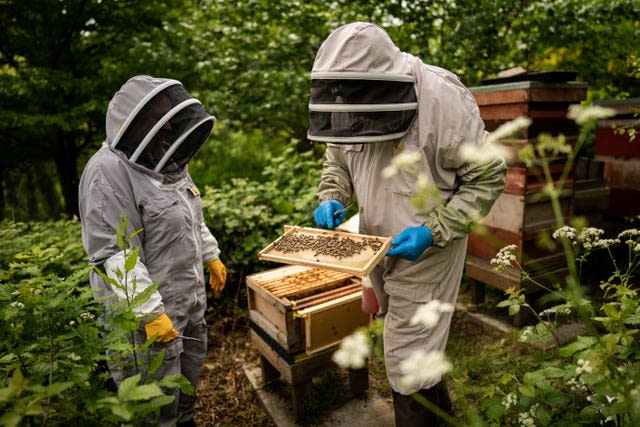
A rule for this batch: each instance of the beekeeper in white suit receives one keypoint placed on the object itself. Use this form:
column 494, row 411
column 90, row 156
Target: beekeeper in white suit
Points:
column 370, row 102
column 154, row 127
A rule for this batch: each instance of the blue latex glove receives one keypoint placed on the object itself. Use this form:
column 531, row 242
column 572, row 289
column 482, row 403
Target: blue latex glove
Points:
column 329, row 214
column 411, row 242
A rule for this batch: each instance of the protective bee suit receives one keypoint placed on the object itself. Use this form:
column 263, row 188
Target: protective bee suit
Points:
column 154, row 127
column 371, row 102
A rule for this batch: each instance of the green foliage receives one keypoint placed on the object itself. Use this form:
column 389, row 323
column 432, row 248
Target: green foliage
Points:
column 593, row 378
column 246, row 215
column 53, row 352
column 235, row 154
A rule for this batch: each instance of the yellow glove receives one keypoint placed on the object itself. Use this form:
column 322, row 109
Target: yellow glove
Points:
column 217, row 274
column 163, row 327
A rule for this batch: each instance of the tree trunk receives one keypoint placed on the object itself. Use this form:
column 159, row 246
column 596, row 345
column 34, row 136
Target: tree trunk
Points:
column 66, row 158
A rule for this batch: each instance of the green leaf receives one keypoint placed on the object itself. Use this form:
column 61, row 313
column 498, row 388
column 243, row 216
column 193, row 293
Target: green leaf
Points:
column 143, row 392
column 156, row 363
column 581, row 343
column 127, row 385
column 123, row 412
column 132, row 259
column 143, row 296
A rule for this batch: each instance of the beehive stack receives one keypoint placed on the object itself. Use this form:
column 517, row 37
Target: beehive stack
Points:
column 618, row 147
column 523, row 213
column 299, row 314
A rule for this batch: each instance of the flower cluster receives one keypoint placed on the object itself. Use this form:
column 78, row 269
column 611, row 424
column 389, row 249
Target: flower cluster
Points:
column 406, row 160
column 422, row 367
column 631, row 238
column 428, row 314
column 583, row 367
column 509, row 400
column 527, row 419
column 353, row 351
column 505, row 257
column 565, row 231
column 590, row 237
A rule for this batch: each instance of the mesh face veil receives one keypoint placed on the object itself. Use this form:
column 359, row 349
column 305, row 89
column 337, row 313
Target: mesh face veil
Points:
column 354, row 107
column 165, row 129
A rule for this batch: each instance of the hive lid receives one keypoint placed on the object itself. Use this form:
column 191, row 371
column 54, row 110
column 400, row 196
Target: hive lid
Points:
column 330, row 249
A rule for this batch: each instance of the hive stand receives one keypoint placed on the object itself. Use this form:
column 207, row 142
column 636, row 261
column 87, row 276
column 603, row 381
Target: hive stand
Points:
column 299, row 370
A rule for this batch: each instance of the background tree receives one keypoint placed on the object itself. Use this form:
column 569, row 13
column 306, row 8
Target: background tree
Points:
column 60, row 62
column 249, row 62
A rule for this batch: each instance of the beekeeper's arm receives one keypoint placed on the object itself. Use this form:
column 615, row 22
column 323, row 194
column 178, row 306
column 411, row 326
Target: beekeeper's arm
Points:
column 480, row 180
column 335, row 189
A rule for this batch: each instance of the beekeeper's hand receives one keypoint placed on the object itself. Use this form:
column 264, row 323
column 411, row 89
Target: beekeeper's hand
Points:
column 411, row 242
column 329, row 214
column 163, row 327
column 217, row 274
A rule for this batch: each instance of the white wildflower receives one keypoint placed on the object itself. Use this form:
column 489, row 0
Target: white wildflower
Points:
column 421, row 367
column 583, row 367
column 606, row 243
column 87, row 316
column 509, row 400
column 526, row 420
column 564, row 231
column 558, row 309
column 406, row 160
column 576, row 386
column 636, row 248
column 631, row 233
column 17, row 304
column 582, row 115
column 15, row 293
column 72, row 323
column 505, row 257
column 482, row 153
column 589, row 237
column 508, row 129
column 526, row 334
column 353, row 351
column 428, row 314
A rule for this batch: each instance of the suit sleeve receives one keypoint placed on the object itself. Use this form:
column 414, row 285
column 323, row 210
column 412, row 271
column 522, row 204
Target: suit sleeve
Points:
column 335, row 181
column 480, row 180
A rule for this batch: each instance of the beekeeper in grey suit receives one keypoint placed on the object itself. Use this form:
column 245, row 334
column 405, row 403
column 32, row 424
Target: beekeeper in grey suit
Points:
column 154, row 127
column 370, row 102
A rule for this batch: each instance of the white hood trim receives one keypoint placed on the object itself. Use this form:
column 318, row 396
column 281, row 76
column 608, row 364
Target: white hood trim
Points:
column 356, row 139
column 358, row 75
column 179, row 142
column 351, row 108
column 175, row 110
column 139, row 107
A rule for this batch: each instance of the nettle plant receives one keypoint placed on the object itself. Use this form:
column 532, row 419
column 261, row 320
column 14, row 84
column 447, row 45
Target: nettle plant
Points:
column 53, row 352
column 593, row 379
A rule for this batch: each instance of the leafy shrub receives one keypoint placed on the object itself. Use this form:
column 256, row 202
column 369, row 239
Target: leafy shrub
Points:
column 593, row 378
column 246, row 215
column 52, row 349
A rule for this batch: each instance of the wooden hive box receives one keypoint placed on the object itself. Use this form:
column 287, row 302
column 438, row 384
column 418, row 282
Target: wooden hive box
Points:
column 305, row 309
column 545, row 103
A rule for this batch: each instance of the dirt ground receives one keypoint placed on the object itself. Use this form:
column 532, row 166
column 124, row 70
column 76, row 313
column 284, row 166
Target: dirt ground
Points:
column 225, row 396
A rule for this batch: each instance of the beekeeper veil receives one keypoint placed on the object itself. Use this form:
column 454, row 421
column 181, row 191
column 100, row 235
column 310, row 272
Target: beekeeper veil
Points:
column 157, row 124
column 362, row 89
